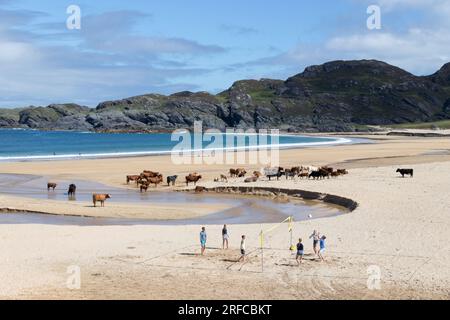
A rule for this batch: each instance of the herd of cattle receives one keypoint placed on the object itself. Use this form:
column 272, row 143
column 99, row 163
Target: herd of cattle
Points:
column 148, row 178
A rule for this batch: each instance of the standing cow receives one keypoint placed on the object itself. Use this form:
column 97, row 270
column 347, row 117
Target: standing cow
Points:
column 72, row 190
column 100, row 198
column 51, row 185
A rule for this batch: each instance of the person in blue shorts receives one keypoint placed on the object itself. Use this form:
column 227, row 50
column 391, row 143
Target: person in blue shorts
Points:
column 322, row 247
column 203, row 238
column 300, row 251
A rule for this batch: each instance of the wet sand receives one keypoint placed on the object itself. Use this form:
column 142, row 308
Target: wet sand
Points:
column 400, row 227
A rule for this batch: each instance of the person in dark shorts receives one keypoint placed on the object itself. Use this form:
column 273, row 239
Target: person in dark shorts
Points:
column 242, row 258
column 316, row 237
column 300, row 251
column 225, row 237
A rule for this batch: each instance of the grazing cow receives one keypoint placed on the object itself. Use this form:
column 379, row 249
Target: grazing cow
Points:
column 251, row 179
column 223, row 178
column 321, row 174
column 404, row 172
column 156, row 180
column 192, row 178
column 335, row 174
column 100, row 198
column 257, row 174
column 342, row 171
column 72, row 190
column 240, row 172
column 133, row 178
column 171, row 180
column 144, row 187
column 303, row 175
column 289, row 173
column 149, row 174
column 199, row 189
column 327, row 169
column 51, row 185
column 274, row 172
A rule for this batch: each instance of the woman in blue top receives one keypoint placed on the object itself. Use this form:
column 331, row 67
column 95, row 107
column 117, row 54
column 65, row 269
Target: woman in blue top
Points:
column 203, row 237
column 322, row 247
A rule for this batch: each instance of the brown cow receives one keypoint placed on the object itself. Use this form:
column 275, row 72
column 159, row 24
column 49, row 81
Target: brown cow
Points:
column 156, row 180
column 257, row 174
column 133, row 178
column 144, row 187
column 223, row 178
column 240, row 172
column 192, row 178
column 251, row 179
column 149, row 174
column 51, row 185
column 200, row 189
column 342, row 171
column 335, row 174
column 303, row 175
column 100, row 198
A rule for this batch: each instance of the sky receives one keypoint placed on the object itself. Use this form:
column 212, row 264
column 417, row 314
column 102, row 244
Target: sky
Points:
column 128, row 48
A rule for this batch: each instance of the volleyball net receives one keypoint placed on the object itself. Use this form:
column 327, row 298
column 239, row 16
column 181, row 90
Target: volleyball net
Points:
column 266, row 237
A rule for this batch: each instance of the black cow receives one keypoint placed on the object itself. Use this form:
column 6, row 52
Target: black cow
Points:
column 280, row 172
column 72, row 190
column 172, row 180
column 321, row 174
column 404, row 172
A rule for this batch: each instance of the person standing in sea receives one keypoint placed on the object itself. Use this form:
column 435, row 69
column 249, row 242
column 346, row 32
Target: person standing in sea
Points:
column 225, row 236
column 203, row 238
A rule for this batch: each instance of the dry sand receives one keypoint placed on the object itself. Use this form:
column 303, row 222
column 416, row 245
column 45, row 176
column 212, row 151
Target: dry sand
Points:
column 400, row 227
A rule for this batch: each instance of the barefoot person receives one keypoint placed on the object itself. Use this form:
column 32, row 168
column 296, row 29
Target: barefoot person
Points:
column 225, row 236
column 322, row 247
column 316, row 237
column 242, row 258
column 300, row 251
column 203, row 238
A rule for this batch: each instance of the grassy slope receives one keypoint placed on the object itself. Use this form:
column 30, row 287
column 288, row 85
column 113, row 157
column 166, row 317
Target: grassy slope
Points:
column 444, row 124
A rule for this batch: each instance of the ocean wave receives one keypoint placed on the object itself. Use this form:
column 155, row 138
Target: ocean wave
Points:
column 335, row 141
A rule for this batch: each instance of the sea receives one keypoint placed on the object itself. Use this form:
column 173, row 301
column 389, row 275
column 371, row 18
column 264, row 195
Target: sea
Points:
column 28, row 145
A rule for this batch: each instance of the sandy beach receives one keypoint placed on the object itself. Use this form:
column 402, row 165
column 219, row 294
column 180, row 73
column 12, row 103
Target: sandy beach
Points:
column 399, row 228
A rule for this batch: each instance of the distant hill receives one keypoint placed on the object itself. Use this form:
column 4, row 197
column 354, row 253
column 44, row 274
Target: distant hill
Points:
column 335, row 96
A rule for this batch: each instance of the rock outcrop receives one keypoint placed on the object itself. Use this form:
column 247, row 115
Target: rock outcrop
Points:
column 335, row 96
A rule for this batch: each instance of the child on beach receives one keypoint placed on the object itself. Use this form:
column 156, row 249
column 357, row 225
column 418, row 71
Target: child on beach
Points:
column 203, row 238
column 322, row 247
column 242, row 258
column 316, row 237
column 300, row 251
column 225, row 236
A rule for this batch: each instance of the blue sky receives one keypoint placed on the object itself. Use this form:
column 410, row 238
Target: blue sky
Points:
column 127, row 48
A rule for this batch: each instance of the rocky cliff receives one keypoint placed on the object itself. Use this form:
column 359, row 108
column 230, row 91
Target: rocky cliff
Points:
column 335, row 96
